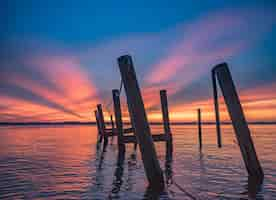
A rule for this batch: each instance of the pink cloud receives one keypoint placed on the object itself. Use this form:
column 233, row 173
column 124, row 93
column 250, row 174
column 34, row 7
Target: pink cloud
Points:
column 212, row 39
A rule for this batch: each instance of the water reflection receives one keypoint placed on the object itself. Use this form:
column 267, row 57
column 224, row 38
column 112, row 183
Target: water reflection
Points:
column 169, row 165
column 63, row 163
column 132, row 166
column 118, row 181
column 253, row 189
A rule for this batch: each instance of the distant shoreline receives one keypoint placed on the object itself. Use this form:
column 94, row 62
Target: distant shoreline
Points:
column 127, row 123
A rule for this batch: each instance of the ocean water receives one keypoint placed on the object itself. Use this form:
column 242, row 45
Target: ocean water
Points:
column 62, row 162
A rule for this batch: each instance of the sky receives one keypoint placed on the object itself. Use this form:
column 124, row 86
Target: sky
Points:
column 58, row 59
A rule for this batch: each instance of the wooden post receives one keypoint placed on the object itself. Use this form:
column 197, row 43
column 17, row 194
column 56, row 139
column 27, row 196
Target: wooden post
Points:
column 113, row 128
column 199, row 128
column 98, row 126
column 239, row 122
column 216, row 104
column 101, row 120
column 97, row 122
column 112, row 123
column 118, row 119
column 140, row 123
column 166, row 121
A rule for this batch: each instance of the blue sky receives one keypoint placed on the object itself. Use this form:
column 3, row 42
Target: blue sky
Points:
column 174, row 45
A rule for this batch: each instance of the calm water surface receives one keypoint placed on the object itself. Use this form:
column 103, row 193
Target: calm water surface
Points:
column 61, row 162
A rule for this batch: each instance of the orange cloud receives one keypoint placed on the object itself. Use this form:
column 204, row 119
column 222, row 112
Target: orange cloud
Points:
column 259, row 104
column 71, row 99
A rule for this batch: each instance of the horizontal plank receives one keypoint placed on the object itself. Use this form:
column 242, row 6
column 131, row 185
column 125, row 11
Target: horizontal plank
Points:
column 110, row 132
column 129, row 130
column 155, row 137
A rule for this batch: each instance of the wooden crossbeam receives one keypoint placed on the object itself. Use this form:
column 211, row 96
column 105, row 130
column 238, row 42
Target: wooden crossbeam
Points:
column 113, row 132
column 156, row 138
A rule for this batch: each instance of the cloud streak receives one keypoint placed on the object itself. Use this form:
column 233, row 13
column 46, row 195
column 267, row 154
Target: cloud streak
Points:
column 214, row 38
column 42, row 82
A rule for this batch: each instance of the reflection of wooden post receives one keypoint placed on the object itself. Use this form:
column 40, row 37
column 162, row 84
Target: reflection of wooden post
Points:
column 98, row 126
column 216, row 109
column 101, row 120
column 199, row 128
column 140, row 123
column 118, row 119
column 166, row 120
column 239, row 122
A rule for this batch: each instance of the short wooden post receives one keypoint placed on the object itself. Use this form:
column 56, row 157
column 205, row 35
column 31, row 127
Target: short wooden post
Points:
column 216, row 104
column 118, row 119
column 102, row 123
column 140, row 123
column 199, row 128
column 98, row 126
column 97, row 122
column 239, row 122
column 166, row 120
column 112, row 123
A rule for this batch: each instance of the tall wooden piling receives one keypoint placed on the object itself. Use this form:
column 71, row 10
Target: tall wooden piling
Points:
column 102, row 123
column 118, row 119
column 97, row 122
column 98, row 126
column 112, row 128
column 140, row 123
column 199, row 128
column 166, row 121
column 239, row 122
column 216, row 105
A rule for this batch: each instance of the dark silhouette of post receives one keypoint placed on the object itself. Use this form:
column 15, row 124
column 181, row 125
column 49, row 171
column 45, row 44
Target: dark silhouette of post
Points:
column 140, row 123
column 112, row 123
column 239, row 122
column 97, row 121
column 216, row 104
column 112, row 128
column 118, row 119
column 199, row 128
column 166, row 120
column 98, row 126
column 102, row 123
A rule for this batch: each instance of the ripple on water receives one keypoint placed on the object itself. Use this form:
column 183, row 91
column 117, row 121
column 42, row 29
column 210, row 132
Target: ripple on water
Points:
column 62, row 163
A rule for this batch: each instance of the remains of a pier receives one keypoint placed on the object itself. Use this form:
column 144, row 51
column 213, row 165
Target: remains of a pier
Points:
column 223, row 75
column 140, row 131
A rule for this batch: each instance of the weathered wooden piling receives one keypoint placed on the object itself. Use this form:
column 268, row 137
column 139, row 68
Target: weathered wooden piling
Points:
column 98, row 126
column 112, row 128
column 102, row 123
column 112, row 123
column 140, row 123
column 118, row 120
column 166, row 120
column 239, row 122
column 199, row 128
column 97, row 122
column 216, row 104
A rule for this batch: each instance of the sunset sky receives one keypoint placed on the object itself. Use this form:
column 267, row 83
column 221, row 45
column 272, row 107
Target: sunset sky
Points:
column 58, row 59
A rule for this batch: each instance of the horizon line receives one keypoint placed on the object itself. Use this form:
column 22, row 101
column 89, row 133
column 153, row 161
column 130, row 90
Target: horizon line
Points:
column 152, row 123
